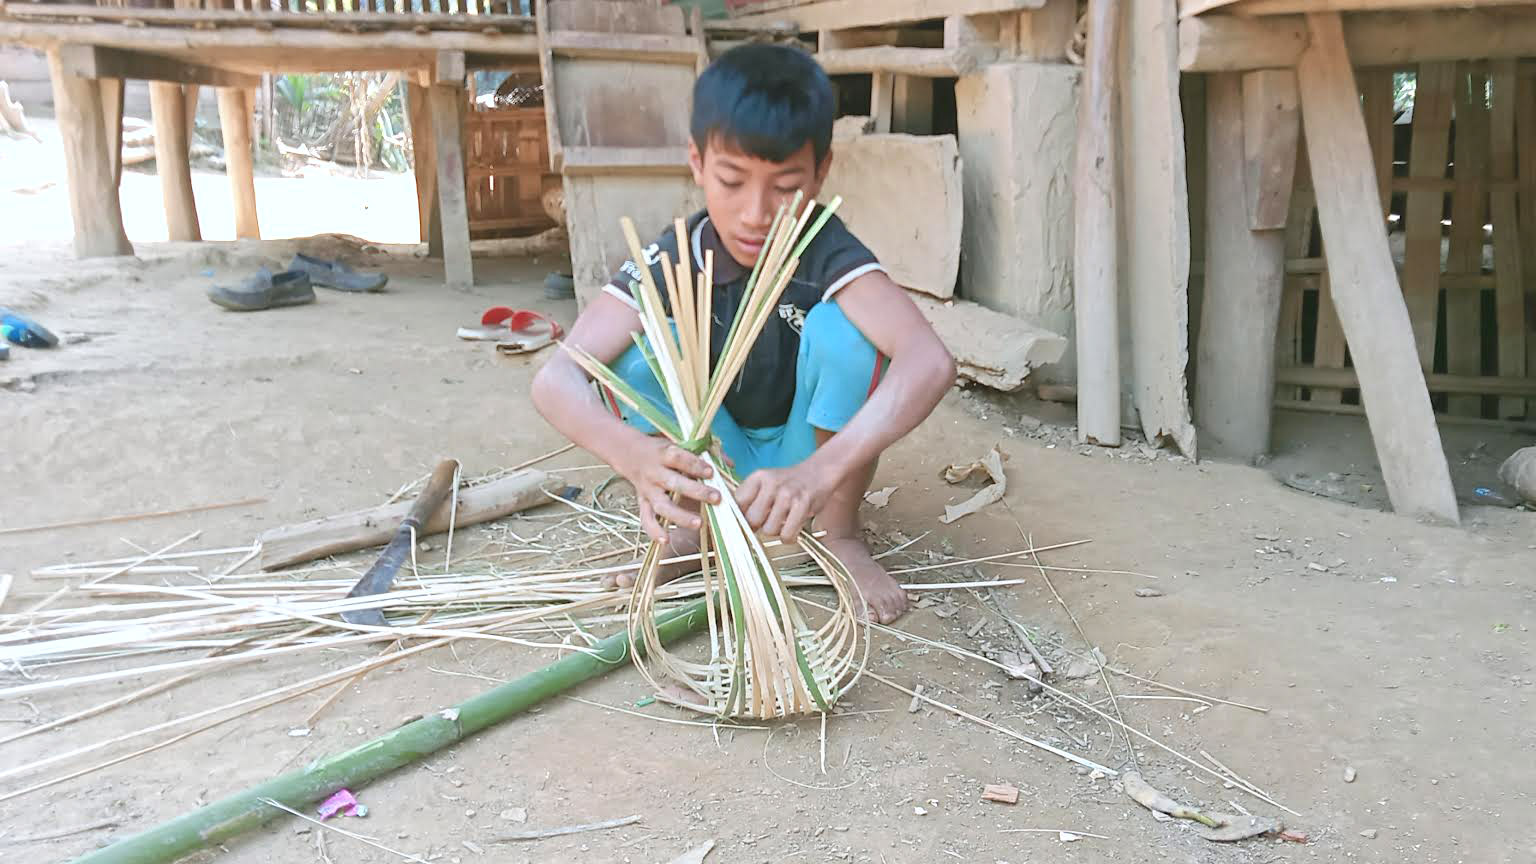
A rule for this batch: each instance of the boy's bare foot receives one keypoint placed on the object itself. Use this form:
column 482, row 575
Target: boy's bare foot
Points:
column 682, row 543
column 882, row 594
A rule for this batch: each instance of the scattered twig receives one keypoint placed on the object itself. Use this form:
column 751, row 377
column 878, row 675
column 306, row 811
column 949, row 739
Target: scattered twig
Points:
column 569, row 829
column 1245, row 785
column 1071, row 831
column 537, row 459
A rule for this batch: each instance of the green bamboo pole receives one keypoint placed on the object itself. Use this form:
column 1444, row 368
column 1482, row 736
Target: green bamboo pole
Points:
column 243, row 811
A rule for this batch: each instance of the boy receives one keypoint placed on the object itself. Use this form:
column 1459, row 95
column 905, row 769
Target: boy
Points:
column 847, row 367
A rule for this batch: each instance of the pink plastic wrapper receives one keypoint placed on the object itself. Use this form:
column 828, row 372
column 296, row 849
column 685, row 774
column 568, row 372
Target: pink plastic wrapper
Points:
column 342, row 803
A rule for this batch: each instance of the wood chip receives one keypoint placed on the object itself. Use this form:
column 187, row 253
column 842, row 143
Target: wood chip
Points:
column 917, row 700
column 1000, row 793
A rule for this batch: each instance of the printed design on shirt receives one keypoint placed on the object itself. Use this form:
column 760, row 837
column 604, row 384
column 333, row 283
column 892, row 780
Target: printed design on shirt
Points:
column 793, row 315
column 652, row 255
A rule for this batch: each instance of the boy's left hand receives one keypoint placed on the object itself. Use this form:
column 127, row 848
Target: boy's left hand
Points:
column 780, row 501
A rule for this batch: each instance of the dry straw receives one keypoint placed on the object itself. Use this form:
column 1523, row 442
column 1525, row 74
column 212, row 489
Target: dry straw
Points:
column 765, row 658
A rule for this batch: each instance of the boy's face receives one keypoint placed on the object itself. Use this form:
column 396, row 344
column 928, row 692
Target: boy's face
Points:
column 743, row 193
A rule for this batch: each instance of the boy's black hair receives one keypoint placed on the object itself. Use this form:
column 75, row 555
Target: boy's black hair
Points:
column 765, row 100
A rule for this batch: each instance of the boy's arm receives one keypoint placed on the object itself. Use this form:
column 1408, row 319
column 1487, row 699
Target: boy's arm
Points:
column 563, row 393
column 781, row 501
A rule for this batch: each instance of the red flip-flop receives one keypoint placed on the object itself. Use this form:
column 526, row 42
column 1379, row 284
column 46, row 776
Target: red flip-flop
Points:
column 515, row 331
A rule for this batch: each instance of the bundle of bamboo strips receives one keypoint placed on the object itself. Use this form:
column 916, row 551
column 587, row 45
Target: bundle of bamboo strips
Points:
column 765, row 659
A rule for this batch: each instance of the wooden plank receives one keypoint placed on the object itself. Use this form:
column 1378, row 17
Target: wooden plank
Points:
column 1299, row 224
column 992, row 349
column 93, row 199
column 1339, row 379
column 168, row 108
column 1270, row 130
column 1329, row 350
column 626, row 160
column 1365, row 289
column 95, row 61
column 447, row 125
column 976, row 39
column 922, row 62
column 1508, row 235
column 1525, row 132
column 1377, row 102
column 1469, row 210
column 649, row 47
column 1245, row 270
column 239, row 160
column 1154, row 259
column 424, row 149
column 1424, row 208
column 837, row 14
column 1227, row 43
column 347, row 532
column 112, row 118
column 1096, row 254
column 551, row 96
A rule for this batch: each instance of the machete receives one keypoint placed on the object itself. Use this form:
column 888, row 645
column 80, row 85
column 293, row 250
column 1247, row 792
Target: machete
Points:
column 379, row 577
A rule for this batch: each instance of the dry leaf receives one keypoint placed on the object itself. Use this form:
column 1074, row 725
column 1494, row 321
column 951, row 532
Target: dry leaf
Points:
column 879, row 499
column 992, row 465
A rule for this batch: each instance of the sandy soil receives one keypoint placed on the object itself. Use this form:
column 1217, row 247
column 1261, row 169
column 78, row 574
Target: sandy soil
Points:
column 1408, row 657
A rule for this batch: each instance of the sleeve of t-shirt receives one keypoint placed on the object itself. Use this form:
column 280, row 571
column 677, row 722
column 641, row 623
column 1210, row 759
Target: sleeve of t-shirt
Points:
column 836, row 258
column 626, row 283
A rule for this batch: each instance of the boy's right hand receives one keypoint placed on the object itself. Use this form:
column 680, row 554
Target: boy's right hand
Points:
column 659, row 469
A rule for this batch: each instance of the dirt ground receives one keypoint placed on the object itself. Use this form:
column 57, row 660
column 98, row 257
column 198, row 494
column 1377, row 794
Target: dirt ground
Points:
column 1405, row 653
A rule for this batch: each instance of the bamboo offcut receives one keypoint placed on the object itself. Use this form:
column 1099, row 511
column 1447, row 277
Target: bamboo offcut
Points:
column 245, row 810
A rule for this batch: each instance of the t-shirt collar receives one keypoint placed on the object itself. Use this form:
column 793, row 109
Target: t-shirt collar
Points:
column 705, row 237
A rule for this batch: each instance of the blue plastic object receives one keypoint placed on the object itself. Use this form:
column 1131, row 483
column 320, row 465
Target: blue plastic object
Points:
column 23, row 331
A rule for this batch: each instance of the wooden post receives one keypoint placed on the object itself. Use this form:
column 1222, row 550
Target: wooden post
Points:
column 235, row 121
column 1366, row 292
column 1525, row 136
column 1425, row 207
column 1509, row 234
column 1252, row 128
column 1095, row 244
column 112, row 119
column 1378, row 106
column 1469, row 210
column 912, row 105
column 93, row 200
column 882, row 86
column 447, row 122
column 169, row 108
column 424, row 149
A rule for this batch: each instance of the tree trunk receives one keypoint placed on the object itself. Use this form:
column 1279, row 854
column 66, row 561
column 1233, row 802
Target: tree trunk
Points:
column 342, row 138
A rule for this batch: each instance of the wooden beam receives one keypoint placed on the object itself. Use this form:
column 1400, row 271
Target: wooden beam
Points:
column 1271, row 127
column 1227, row 43
column 1329, row 348
column 1095, row 242
column 1424, row 208
column 1245, row 270
column 447, row 122
column 95, row 61
column 1281, row 7
column 1346, row 379
column 239, row 160
column 168, row 107
column 912, row 105
column 921, row 62
column 283, row 49
column 1043, row 33
column 838, row 14
column 1377, row 98
column 1366, row 292
column 424, row 167
column 93, row 200
column 1509, row 235
column 1525, row 159
column 882, row 90
column 648, row 47
column 612, row 161
column 235, row 18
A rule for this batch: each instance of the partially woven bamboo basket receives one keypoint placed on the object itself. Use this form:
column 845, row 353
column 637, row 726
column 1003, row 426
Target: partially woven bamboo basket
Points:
column 765, row 659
